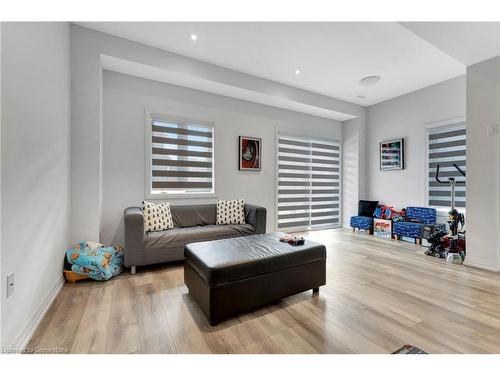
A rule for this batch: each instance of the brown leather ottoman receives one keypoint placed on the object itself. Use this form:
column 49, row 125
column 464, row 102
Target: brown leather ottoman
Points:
column 229, row 276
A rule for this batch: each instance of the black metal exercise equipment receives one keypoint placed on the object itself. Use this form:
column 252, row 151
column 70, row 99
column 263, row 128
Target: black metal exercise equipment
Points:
column 438, row 238
column 454, row 217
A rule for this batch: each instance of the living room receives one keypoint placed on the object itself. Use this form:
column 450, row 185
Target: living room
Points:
column 250, row 187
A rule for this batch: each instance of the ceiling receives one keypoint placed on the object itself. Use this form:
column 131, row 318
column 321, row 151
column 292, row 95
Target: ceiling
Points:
column 468, row 42
column 135, row 69
column 332, row 57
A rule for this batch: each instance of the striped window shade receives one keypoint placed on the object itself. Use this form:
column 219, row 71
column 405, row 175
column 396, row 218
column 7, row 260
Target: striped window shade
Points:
column 447, row 146
column 181, row 157
column 308, row 183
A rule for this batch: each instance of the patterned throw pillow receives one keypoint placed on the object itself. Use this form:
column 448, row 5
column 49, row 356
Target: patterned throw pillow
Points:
column 157, row 216
column 231, row 212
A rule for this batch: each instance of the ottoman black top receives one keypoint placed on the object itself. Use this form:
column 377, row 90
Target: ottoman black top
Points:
column 238, row 258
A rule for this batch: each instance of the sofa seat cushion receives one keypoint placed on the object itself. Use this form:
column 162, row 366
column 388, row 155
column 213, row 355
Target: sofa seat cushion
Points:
column 407, row 229
column 181, row 236
column 239, row 258
column 423, row 215
column 362, row 222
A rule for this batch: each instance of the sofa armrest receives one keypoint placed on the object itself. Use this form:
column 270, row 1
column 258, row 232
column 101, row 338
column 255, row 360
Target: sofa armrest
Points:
column 134, row 236
column 256, row 216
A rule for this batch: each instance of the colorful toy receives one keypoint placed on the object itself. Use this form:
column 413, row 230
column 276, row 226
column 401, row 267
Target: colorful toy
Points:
column 292, row 240
column 434, row 235
column 388, row 213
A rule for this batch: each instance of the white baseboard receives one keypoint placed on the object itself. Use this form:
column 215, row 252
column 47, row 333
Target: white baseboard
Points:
column 24, row 337
column 481, row 266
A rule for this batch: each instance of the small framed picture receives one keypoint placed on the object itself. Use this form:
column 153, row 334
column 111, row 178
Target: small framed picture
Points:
column 392, row 155
column 250, row 154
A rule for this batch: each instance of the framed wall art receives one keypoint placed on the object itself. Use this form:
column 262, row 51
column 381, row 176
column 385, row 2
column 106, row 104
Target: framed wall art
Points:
column 250, row 154
column 392, row 155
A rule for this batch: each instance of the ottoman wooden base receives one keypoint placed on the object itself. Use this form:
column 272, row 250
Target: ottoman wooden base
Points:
column 222, row 301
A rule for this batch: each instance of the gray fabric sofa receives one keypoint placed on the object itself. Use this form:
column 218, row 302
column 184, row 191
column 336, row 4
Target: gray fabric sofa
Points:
column 192, row 223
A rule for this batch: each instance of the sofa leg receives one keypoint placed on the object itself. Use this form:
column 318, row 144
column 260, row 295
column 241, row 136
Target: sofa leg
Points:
column 315, row 290
column 353, row 229
column 133, row 270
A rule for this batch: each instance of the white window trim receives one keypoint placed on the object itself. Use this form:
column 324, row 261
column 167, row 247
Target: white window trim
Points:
column 161, row 114
column 276, row 175
column 430, row 128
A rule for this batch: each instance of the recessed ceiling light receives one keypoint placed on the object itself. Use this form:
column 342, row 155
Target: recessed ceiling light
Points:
column 194, row 37
column 369, row 80
column 297, row 71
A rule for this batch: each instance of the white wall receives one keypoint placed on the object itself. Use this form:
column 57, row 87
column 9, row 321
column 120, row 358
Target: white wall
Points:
column 87, row 47
column 1, row 257
column 35, row 163
column 483, row 187
column 406, row 117
column 353, row 166
column 125, row 99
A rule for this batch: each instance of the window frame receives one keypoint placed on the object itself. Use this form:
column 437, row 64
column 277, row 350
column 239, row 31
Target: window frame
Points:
column 432, row 128
column 150, row 114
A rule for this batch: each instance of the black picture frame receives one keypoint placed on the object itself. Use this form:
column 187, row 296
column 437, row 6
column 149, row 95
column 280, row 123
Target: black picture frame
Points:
column 249, row 153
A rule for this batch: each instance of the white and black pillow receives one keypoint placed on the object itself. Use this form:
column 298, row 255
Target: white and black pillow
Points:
column 157, row 216
column 230, row 212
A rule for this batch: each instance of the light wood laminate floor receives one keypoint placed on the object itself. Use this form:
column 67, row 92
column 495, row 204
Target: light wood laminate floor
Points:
column 380, row 295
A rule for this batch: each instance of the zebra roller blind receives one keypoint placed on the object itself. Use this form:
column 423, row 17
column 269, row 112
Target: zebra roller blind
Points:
column 308, row 183
column 181, row 157
column 447, row 146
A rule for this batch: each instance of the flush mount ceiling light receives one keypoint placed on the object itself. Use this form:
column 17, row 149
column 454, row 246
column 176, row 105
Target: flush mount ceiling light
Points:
column 297, row 71
column 369, row 80
column 194, row 37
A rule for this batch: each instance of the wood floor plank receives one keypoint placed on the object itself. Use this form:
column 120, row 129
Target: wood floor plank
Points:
column 124, row 332
column 266, row 346
column 243, row 334
column 186, row 333
column 61, row 331
column 309, row 315
column 50, row 316
column 273, row 319
column 91, row 336
column 154, row 328
column 380, row 295
column 290, row 342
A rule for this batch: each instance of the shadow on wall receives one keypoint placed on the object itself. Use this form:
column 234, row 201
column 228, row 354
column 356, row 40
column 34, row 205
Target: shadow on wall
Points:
column 350, row 178
column 119, row 236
